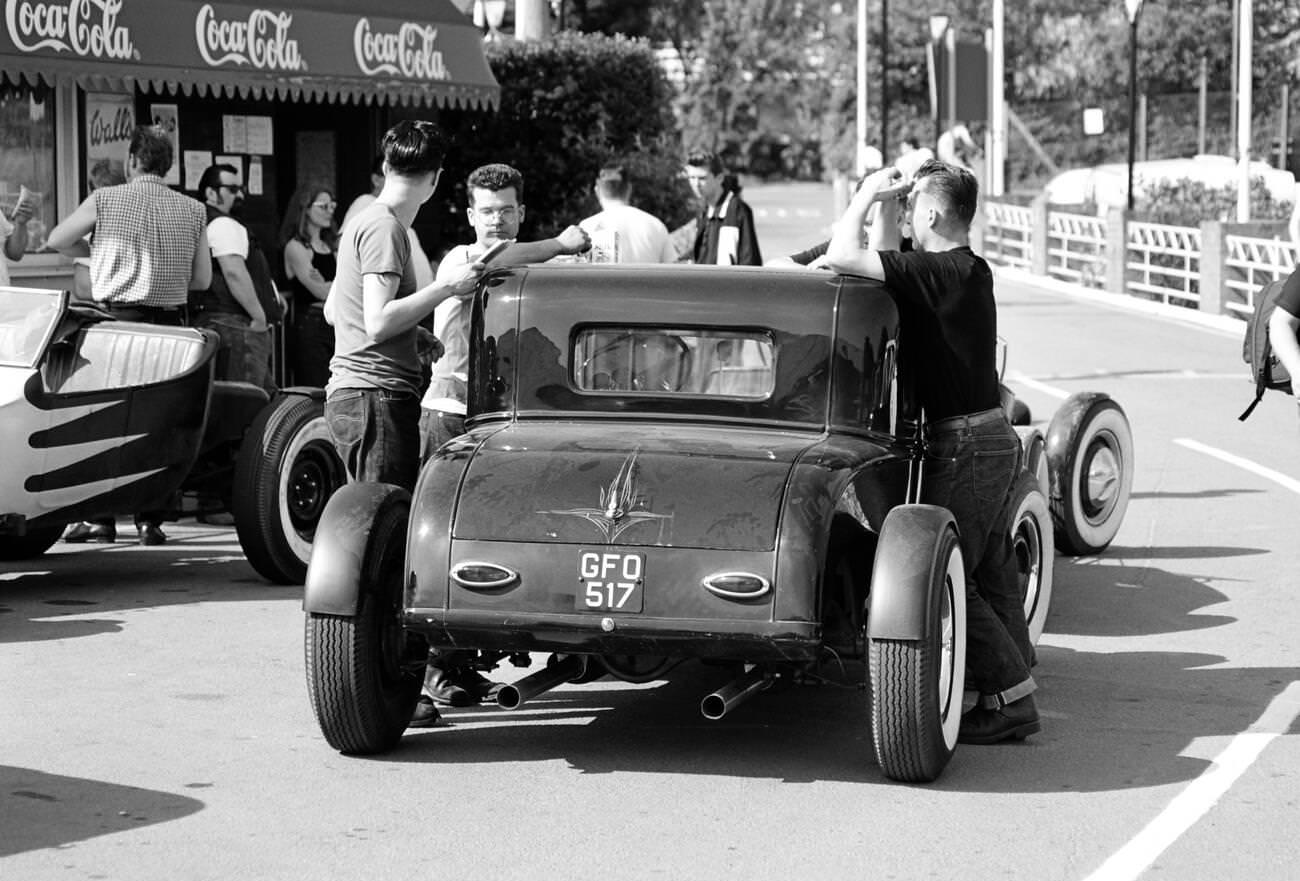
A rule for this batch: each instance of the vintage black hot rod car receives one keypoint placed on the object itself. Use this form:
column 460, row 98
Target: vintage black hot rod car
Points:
column 676, row 463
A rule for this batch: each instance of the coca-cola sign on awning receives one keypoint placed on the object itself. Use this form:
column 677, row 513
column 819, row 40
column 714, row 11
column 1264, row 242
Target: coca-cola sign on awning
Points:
column 416, row 50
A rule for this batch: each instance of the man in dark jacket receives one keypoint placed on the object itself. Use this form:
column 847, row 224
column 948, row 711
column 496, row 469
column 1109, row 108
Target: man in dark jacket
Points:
column 724, row 231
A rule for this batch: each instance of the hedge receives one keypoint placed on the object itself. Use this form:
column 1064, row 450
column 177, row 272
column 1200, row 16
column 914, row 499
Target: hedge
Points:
column 569, row 105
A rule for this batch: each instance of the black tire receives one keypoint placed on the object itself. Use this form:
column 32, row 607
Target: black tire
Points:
column 1033, row 546
column 916, row 685
column 286, row 471
column 33, row 544
column 1090, row 458
column 364, row 672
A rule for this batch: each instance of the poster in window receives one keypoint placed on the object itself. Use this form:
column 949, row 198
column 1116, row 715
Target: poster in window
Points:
column 165, row 117
column 110, row 119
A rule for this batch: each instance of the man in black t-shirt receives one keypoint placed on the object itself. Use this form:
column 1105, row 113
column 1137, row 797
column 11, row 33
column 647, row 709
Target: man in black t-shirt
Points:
column 1283, row 326
column 949, row 330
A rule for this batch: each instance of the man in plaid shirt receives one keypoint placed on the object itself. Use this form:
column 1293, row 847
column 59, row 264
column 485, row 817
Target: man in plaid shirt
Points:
column 148, row 247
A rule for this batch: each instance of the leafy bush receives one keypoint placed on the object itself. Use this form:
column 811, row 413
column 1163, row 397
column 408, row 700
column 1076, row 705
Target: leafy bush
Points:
column 569, row 105
column 1187, row 202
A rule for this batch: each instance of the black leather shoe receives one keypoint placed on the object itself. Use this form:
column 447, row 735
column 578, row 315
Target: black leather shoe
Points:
column 1015, row 721
column 426, row 715
column 441, row 685
column 79, row 533
column 151, row 534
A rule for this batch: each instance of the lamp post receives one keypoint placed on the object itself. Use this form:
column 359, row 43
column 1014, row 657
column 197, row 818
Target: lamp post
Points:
column 938, row 28
column 1134, row 8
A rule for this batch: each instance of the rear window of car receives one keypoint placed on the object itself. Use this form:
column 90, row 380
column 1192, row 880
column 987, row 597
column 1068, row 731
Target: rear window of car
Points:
column 720, row 363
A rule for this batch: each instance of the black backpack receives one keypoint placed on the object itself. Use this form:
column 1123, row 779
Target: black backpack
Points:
column 1256, row 350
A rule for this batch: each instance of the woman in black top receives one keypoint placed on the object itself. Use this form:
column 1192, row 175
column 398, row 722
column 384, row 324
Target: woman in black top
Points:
column 310, row 240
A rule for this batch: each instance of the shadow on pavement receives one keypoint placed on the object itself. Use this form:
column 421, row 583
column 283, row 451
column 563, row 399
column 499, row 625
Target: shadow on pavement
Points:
column 43, row 810
column 39, row 597
column 1104, row 600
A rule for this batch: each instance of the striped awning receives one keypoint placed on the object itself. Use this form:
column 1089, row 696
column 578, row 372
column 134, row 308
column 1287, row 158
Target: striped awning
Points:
column 413, row 52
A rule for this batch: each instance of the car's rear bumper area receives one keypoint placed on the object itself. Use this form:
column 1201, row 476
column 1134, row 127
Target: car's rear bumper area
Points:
column 792, row 641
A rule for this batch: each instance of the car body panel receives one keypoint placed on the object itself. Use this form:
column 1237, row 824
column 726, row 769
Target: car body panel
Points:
column 107, row 416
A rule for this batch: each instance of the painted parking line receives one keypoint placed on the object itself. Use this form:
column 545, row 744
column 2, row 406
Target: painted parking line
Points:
column 1021, row 379
column 1203, row 793
column 1277, row 477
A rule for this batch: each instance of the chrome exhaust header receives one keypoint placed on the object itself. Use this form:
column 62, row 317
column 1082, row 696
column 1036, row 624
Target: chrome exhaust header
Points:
column 732, row 695
column 567, row 669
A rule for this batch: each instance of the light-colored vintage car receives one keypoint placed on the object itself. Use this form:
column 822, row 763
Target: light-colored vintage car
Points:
column 687, row 463
column 102, row 417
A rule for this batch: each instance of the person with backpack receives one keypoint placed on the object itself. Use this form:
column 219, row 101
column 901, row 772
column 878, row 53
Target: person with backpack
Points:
column 1284, row 327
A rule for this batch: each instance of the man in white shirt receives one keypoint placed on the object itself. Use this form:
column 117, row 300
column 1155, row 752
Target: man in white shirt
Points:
column 495, row 211
column 232, row 306
column 621, row 233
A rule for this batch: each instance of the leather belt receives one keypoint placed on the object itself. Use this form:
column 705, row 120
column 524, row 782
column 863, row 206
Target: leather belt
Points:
column 968, row 420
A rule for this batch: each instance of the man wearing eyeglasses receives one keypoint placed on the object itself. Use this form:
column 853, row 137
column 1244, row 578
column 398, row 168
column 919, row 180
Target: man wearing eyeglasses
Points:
column 241, row 303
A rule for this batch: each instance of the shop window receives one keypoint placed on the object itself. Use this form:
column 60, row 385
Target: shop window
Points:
column 27, row 154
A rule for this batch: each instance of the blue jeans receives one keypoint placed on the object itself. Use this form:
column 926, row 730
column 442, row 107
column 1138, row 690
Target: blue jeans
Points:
column 244, row 355
column 377, row 434
column 969, row 470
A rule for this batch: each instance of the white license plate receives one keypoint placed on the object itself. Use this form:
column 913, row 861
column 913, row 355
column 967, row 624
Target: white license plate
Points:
column 610, row 581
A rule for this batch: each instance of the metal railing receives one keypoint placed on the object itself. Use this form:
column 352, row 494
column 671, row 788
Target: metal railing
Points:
column 1076, row 248
column 1008, row 232
column 1163, row 262
column 1251, row 263
column 1214, row 267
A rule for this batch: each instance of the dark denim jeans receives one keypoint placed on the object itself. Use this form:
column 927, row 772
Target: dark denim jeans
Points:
column 377, row 434
column 969, row 470
column 244, row 355
column 436, row 428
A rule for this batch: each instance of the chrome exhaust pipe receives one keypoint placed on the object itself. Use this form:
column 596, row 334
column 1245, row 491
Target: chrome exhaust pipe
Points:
column 566, row 670
column 733, row 694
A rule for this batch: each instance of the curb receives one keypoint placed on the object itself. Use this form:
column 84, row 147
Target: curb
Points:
column 1224, row 324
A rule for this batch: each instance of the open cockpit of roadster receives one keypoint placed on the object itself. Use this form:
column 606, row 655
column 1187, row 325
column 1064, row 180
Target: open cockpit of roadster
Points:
column 673, row 463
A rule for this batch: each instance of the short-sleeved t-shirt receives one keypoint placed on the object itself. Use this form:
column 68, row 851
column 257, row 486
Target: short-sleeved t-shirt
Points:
column 374, row 242
column 949, row 328
column 1289, row 299
column 228, row 237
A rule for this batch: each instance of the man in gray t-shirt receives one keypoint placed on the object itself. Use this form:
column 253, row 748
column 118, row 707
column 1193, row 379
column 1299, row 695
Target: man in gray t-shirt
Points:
column 372, row 400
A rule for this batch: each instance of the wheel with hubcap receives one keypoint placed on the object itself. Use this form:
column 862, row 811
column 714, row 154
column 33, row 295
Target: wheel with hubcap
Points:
column 286, row 472
column 1090, row 458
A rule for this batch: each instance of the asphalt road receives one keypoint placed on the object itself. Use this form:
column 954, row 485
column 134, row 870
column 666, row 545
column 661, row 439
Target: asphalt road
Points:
column 155, row 724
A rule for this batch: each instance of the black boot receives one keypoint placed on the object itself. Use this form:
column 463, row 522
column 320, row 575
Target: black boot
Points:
column 1014, row 721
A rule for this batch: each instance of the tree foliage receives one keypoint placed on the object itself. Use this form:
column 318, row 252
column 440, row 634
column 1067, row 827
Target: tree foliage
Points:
column 568, row 106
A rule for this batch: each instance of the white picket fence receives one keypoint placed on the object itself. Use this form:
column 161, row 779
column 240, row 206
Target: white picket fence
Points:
column 1216, row 267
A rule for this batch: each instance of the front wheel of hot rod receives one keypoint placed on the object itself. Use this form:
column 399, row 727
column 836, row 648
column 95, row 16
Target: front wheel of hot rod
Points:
column 1090, row 457
column 916, row 681
column 286, row 472
column 364, row 671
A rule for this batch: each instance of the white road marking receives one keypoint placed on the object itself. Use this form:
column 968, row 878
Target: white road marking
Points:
column 1253, row 467
column 1021, row 379
column 1201, row 794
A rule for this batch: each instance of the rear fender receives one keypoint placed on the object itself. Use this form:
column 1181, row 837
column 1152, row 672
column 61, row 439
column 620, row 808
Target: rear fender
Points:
column 900, row 580
column 333, row 585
